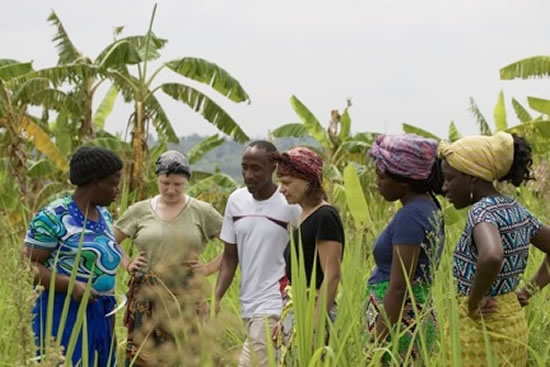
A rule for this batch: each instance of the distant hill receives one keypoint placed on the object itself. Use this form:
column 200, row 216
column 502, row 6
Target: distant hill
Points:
column 227, row 157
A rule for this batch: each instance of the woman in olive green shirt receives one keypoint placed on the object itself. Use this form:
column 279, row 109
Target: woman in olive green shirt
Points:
column 170, row 231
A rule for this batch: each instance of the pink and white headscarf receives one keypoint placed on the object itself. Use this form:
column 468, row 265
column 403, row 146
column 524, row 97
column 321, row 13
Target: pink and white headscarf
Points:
column 405, row 155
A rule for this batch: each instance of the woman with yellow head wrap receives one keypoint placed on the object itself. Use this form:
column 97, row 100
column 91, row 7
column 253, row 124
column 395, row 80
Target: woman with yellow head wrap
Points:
column 492, row 252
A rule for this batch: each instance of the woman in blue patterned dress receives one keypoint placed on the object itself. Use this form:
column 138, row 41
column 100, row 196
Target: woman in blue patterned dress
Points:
column 77, row 231
column 492, row 252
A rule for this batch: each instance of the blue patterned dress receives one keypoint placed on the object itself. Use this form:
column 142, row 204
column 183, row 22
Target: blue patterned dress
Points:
column 59, row 228
column 517, row 226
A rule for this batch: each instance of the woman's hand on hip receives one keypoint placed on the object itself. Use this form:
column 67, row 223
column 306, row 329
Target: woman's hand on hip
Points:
column 138, row 263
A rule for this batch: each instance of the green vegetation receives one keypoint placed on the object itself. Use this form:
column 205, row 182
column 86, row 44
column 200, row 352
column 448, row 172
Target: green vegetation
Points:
column 33, row 170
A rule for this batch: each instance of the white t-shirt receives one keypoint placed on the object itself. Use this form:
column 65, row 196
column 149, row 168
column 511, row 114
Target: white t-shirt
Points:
column 260, row 231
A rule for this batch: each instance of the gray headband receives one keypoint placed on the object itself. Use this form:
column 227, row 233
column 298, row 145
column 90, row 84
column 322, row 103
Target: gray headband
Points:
column 172, row 162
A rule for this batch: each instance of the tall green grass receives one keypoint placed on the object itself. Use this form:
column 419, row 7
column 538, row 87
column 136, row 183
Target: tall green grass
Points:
column 219, row 341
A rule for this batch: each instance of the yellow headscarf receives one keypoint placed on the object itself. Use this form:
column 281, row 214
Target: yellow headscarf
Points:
column 487, row 157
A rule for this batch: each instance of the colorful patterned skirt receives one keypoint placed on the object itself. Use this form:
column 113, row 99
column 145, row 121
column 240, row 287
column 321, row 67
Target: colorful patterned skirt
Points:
column 139, row 320
column 505, row 331
column 157, row 316
column 412, row 315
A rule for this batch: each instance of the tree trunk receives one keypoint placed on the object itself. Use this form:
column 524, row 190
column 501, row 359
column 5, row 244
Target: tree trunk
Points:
column 15, row 149
column 139, row 150
column 87, row 132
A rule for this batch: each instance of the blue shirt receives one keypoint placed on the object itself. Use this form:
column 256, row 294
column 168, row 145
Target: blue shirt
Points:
column 417, row 223
column 517, row 226
column 59, row 227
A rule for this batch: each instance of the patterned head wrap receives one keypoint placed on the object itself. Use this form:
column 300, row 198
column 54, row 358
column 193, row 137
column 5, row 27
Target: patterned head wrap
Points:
column 172, row 162
column 300, row 162
column 404, row 155
column 487, row 157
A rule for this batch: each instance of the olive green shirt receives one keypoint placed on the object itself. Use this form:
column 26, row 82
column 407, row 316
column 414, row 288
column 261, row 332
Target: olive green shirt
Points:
column 173, row 242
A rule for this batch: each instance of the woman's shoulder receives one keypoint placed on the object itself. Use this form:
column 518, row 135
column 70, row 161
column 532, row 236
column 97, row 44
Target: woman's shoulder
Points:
column 493, row 203
column 327, row 209
column 422, row 211
column 328, row 213
column 422, row 207
column 138, row 207
column 200, row 205
column 142, row 203
column 57, row 207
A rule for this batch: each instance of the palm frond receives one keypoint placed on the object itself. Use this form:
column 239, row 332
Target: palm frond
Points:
column 202, row 104
column 411, row 129
column 160, row 120
column 41, row 168
column 37, row 92
column 66, row 50
column 211, row 74
column 531, row 67
column 216, row 182
column 42, row 142
column 500, row 113
column 105, row 108
column 454, row 134
column 127, row 84
column 296, row 130
column 113, row 144
column 539, row 104
column 345, row 123
column 63, row 134
column 309, row 120
column 72, row 73
column 131, row 50
column 121, row 52
column 521, row 112
column 10, row 69
column 484, row 128
column 199, row 150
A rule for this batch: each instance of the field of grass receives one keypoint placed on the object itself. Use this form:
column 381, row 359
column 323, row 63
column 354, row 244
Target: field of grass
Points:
column 218, row 343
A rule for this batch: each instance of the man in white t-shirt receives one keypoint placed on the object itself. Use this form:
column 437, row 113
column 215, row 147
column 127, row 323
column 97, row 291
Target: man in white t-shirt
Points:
column 255, row 233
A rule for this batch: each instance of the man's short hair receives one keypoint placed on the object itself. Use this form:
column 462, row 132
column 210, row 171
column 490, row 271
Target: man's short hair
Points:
column 263, row 144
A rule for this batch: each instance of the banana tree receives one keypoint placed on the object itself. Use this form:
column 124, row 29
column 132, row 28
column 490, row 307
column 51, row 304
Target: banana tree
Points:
column 499, row 114
column 83, row 76
column 69, row 89
column 139, row 90
column 528, row 68
column 337, row 144
column 536, row 129
column 24, row 141
column 19, row 125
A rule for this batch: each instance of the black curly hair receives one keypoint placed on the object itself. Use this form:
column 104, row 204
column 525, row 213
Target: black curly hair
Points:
column 433, row 184
column 521, row 167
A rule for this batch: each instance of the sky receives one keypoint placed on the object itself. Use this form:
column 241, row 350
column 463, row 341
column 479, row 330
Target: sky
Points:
column 417, row 62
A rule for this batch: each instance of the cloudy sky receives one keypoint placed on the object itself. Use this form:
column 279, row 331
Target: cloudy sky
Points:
column 399, row 61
